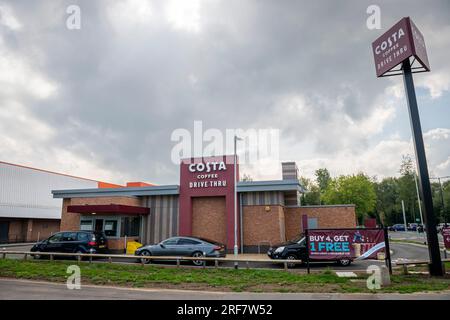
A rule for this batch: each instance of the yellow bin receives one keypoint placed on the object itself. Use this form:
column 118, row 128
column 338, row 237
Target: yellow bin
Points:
column 132, row 246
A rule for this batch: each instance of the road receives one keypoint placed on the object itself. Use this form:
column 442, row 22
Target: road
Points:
column 11, row 289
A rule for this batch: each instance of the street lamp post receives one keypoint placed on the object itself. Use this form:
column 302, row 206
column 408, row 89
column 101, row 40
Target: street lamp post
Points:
column 236, row 138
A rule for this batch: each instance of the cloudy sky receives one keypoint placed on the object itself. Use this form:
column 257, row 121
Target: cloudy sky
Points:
column 103, row 101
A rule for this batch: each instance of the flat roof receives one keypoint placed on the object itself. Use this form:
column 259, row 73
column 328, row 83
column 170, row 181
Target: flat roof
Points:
column 243, row 186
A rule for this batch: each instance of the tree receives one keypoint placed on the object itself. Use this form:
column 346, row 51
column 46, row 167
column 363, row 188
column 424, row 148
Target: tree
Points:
column 407, row 189
column 312, row 194
column 388, row 209
column 323, row 178
column 353, row 189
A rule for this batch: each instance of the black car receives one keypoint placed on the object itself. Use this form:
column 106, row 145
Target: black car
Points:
column 73, row 242
column 296, row 250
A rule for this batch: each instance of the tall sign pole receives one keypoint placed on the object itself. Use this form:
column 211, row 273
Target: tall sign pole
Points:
column 398, row 46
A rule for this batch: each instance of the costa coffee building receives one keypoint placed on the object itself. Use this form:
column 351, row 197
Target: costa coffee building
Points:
column 201, row 205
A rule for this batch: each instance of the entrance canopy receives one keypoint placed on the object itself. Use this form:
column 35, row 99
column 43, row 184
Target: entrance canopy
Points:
column 109, row 209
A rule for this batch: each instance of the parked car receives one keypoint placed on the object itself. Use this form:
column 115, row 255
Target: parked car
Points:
column 72, row 242
column 397, row 227
column 420, row 228
column 296, row 250
column 413, row 226
column 184, row 247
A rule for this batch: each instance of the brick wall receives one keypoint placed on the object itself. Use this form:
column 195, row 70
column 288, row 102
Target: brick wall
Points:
column 327, row 217
column 209, row 218
column 260, row 224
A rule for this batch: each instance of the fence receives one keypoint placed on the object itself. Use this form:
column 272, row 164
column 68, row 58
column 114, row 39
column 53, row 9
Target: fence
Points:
column 405, row 264
column 110, row 257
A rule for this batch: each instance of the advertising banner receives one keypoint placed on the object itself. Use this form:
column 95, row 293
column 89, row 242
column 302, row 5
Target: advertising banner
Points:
column 446, row 235
column 356, row 244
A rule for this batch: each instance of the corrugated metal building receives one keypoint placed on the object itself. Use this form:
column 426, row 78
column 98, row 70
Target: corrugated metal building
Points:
column 27, row 209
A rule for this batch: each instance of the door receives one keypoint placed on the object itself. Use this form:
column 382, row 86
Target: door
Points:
column 186, row 247
column 170, row 248
column 4, row 231
column 99, row 225
column 54, row 243
column 312, row 223
column 69, row 242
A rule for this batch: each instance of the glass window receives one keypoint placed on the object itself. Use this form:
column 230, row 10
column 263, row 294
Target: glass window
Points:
column 55, row 238
column 69, row 236
column 83, row 236
column 110, row 228
column 86, row 225
column 170, row 242
column 131, row 227
column 187, row 241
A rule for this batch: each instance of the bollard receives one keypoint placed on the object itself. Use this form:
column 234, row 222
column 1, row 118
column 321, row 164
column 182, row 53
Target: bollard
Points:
column 109, row 259
column 25, row 256
column 405, row 269
column 216, row 263
column 178, row 263
column 51, row 257
column 385, row 276
column 285, row 266
column 247, row 265
column 4, row 255
column 90, row 259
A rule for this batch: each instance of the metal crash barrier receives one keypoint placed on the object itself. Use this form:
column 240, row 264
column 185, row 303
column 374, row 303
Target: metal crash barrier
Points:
column 89, row 257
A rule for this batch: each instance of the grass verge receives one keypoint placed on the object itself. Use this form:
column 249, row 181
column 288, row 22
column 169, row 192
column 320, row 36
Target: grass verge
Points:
column 222, row 279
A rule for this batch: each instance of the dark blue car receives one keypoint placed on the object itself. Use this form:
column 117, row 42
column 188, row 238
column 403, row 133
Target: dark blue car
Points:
column 397, row 227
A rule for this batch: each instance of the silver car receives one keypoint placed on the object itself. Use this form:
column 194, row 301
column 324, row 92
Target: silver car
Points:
column 184, row 247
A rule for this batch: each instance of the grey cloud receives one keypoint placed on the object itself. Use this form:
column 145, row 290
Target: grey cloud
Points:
column 120, row 96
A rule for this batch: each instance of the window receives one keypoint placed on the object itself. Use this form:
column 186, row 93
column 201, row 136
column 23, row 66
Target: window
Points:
column 187, row 241
column 130, row 227
column 170, row 242
column 55, row 238
column 69, row 236
column 86, row 225
column 110, row 228
column 83, row 236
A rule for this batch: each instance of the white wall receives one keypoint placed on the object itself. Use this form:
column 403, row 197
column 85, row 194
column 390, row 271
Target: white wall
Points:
column 26, row 193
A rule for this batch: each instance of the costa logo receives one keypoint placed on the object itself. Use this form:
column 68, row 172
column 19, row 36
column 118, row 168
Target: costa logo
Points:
column 391, row 40
column 207, row 167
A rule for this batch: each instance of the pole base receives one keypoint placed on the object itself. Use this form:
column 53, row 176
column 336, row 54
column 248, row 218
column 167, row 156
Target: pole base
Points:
column 436, row 270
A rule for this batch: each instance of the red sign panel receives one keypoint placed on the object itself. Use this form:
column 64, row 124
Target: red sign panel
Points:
column 446, row 235
column 356, row 244
column 207, row 177
column 397, row 44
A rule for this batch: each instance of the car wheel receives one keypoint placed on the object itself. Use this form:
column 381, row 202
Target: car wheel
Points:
column 197, row 254
column 37, row 256
column 145, row 253
column 344, row 262
column 291, row 257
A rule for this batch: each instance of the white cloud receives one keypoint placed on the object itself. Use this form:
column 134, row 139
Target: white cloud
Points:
column 184, row 15
column 8, row 19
